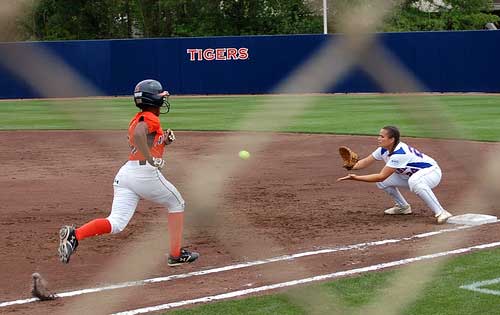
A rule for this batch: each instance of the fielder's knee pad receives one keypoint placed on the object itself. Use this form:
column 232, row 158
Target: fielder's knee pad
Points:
column 117, row 224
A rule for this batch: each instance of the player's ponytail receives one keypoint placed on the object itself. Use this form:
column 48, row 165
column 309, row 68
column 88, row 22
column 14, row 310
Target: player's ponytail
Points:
column 393, row 132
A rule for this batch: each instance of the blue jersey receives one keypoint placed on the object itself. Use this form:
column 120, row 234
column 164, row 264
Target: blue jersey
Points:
column 405, row 159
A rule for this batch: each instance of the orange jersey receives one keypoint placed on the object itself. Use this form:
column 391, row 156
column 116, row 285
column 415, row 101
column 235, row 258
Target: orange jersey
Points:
column 155, row 136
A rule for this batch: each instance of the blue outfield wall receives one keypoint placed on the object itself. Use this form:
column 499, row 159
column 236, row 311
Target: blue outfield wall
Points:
column 442, row 61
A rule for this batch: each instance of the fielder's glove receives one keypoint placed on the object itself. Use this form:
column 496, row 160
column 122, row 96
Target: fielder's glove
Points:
column 170, row 137
column 349, row 157
column 157, row 162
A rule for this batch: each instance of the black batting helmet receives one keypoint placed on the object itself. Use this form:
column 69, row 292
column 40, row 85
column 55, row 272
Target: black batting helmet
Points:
column 151, row 93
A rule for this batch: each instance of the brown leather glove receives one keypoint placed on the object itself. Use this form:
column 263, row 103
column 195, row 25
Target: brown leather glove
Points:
column 349, row 157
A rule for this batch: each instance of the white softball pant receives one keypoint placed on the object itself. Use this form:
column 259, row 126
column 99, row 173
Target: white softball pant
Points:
column 421, row 183
column 134, row 181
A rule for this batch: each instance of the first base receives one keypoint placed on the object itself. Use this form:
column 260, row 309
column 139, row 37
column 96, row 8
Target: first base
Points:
column 472, row 219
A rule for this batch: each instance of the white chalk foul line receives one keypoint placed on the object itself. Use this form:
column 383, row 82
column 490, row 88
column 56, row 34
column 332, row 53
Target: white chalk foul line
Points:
column 303, row 281
column 239, row 266
column 476, row 286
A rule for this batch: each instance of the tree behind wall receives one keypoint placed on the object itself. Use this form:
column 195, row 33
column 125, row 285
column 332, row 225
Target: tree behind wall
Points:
column 76, row 19
column 102, row 19
column 84, row 19
column 450, row 15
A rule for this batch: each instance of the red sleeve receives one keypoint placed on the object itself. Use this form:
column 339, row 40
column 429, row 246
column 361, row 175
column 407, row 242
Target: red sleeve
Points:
column 153, row 122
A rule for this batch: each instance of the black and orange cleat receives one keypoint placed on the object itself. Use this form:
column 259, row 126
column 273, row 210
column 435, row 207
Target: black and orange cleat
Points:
column 185, row 257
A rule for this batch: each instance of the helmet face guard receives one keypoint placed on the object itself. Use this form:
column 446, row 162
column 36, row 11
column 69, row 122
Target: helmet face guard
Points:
column 151, row 93
column 166, row 103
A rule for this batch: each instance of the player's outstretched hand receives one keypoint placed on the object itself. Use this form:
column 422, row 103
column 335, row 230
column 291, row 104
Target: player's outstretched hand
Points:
column 348, row 177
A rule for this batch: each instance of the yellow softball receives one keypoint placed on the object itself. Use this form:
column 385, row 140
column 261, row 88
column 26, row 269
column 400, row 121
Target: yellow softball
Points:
column 244, row 154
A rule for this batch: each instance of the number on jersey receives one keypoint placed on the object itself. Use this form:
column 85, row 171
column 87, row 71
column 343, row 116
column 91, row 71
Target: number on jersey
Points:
column 416, row 152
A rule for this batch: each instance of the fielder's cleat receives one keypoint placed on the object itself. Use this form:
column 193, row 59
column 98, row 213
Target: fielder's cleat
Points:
column 185, row 258
column 67, row 243
column 397, row 209
column 443, row 217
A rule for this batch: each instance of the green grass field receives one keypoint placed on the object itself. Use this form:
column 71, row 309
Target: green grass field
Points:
column 478, row 117
column 442, row 296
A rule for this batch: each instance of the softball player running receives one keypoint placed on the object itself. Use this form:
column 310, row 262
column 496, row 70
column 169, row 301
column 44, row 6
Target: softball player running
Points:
column 139, row 177
column 405, row 167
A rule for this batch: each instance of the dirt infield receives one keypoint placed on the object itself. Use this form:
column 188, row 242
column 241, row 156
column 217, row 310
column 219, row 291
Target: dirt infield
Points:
column 285, row 193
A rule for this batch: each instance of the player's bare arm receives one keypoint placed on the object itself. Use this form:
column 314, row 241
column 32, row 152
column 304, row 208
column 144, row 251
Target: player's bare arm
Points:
column 140, row 140
column 363, row 163
column 371, row 178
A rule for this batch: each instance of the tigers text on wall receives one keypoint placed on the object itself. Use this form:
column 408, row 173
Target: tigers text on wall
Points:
column 197, row 54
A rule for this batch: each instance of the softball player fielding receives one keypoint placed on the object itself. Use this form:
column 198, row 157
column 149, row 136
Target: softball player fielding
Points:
column 139, row 177
column 405, row 167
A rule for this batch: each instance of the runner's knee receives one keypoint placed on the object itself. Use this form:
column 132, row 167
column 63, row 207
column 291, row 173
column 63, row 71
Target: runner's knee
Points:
column 117, row 224
column 179, row 207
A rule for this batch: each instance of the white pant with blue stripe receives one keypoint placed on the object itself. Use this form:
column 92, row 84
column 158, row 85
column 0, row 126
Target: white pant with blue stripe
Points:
column 421, row 183
column 134, row 181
